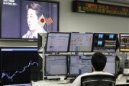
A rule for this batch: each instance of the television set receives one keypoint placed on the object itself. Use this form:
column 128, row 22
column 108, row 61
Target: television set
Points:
column 111, row 64
column 81, row 42
column 17, row 63
column 79, row 65
column 57, row 42
column 17, row 21
column 124, row 42
column 56, row 65
column 105, row 42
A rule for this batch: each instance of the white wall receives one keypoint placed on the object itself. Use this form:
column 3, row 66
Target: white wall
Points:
column 82, row 22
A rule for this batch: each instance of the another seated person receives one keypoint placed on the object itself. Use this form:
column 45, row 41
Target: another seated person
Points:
column 98, row 62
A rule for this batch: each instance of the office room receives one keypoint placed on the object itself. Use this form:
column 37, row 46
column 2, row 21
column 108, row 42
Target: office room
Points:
column 82, row 22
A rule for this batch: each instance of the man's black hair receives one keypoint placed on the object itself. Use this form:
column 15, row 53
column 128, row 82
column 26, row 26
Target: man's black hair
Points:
column 98, row 61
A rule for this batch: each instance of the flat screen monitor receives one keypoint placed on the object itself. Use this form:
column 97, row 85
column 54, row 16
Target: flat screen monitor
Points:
column 57, row 42
column 79, row 65
column 24, row 19
column 26, row 84
column 17, row 63
column 124, row 42
column 80, row 42
column 104, row 42
column 56, row 65
column 111, row 64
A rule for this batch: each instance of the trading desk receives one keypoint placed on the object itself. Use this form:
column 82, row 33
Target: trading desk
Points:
column 122, row 80
column 50, row 83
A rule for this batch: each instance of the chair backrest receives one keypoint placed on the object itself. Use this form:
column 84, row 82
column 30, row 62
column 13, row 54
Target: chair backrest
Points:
column 98, row 80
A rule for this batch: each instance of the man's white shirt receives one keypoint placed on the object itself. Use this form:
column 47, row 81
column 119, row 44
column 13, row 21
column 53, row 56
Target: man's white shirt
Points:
column 77, row 81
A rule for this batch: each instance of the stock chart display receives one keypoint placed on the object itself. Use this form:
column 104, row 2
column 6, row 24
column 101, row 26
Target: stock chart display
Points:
column 100, row 8
column 57, row 42
column 80, row 42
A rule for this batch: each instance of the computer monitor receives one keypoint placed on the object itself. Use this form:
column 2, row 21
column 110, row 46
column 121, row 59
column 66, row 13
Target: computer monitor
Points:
column 55, row 65
column 57, row 42
column 105, row 42
column 124, row 42
column 26, row 84
column 81, row 42
column 111, row 64
column 17, row 24
column 17, row 63
column 79, row 65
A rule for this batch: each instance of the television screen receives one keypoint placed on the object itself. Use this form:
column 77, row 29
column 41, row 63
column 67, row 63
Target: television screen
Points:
column 111, row 64
column 79, row 65
column 124, row 42
column 81, row 42
column 55, row 65
column 57, row 42
column 24, row 19
column 105, row 42
column 18, row 63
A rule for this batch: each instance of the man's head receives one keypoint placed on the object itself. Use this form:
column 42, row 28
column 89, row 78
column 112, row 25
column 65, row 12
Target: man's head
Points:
column 36, row 7
column 34, row 13
column 98, row 61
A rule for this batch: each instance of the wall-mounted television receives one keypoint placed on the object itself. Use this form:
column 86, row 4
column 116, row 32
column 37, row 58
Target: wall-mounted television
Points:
column 23, row 19
column 105, row 42
column 81, row 42
column 124, row 42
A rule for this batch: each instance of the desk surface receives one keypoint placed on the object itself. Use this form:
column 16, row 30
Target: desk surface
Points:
column 122, row 80
column 50, row 83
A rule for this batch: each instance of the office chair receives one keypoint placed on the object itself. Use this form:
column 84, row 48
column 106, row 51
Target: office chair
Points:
column 98, row 80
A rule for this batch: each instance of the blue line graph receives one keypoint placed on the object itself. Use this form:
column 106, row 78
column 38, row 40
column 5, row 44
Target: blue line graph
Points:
column 10, row 77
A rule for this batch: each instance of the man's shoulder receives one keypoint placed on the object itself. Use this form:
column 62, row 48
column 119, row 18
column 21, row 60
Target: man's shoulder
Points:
column 96, row 73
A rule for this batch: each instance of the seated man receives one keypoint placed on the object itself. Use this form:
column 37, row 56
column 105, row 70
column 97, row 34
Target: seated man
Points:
column 98, row 62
